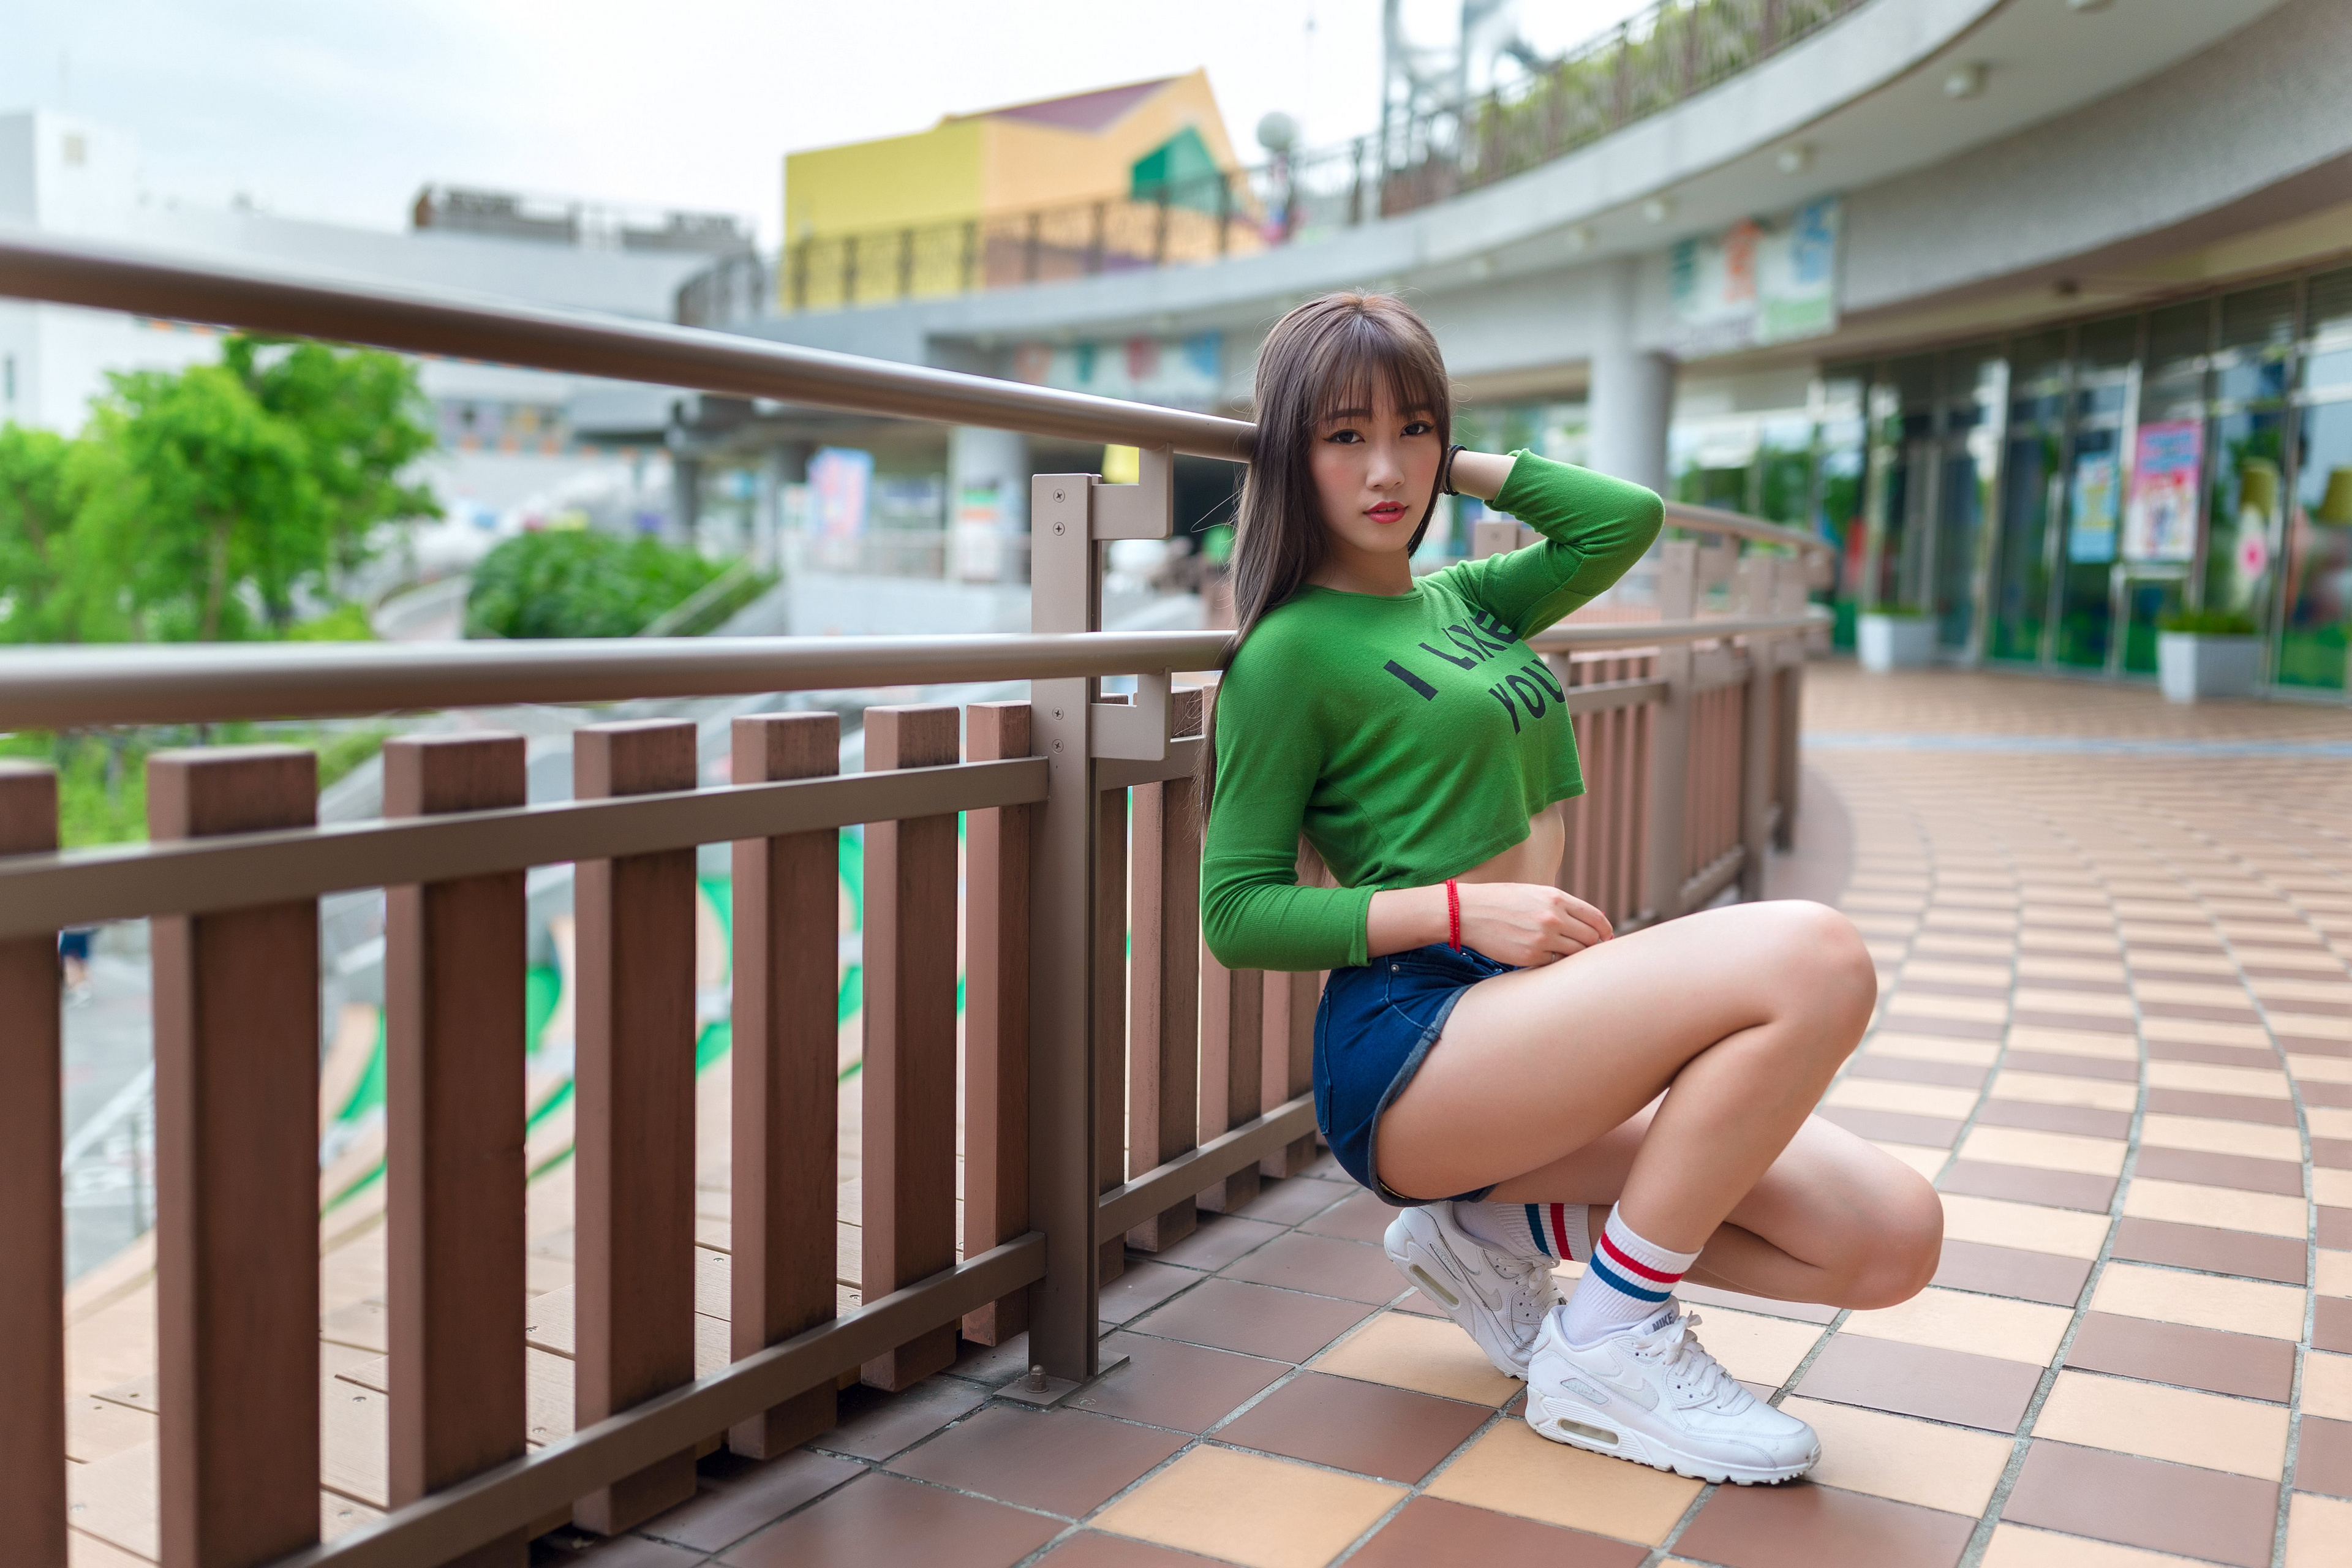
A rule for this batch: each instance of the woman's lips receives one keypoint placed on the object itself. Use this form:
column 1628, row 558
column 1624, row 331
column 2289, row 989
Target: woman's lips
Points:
column 1388, row 511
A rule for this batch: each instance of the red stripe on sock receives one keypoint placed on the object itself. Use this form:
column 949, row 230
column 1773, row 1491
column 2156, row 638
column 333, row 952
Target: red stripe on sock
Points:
column 1617, row 1256
column 1557, row 1215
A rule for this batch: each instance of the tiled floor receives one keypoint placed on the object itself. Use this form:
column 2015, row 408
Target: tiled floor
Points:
column 2116, row 1028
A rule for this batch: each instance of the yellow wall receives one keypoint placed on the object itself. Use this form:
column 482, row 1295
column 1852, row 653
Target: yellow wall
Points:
column 984, row 164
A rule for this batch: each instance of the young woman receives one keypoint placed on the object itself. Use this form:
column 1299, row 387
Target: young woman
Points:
column 1524, row 1084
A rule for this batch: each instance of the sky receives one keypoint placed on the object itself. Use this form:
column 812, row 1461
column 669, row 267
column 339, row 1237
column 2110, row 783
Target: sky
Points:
column 341, row 112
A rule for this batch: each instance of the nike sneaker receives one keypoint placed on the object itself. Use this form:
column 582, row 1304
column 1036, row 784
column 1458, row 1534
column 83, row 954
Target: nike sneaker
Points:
column 1499, row 1298
column 1651, row 1394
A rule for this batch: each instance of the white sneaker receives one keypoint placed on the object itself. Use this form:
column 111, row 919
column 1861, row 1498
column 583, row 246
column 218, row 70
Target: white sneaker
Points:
column 1652, row 1395
column 1498, row 1299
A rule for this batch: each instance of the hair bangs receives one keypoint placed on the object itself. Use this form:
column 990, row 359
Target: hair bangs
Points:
column 1367, row 354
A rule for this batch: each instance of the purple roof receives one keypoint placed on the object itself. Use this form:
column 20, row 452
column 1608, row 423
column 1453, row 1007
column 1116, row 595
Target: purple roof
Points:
column 1081, row 110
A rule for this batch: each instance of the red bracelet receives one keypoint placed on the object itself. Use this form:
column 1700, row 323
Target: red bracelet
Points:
column 1453, row 915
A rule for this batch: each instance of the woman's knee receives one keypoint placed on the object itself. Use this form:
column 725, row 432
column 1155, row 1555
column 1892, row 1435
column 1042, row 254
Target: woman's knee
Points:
column 1893, row 1257
column 1822, row 959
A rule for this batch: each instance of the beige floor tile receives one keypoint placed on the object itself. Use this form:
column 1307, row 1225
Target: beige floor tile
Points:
column 2203, row 1077
column 2016, row 1546
column 1982, row 1325
column 2287, row 958
column 1243, row 1508
column 2048, row 936
column 1428, row 1355
column 2321, row 1070
column 2333, row 1275
column 2334, row 993
column 2161, row 1423
column 2038, row 966
column 2213, row 1137
column 1966, row 1009
column 2328, row 1386
column 1933, row 1049
column 2047, row 1089
column 1895, row 1457
column 1926, row 1162
column 2318, row 1531
column 2046, row 1150
column 2196, row 992
column 1957, row 973
column 2204, row 1031
column 89, row 1551
column 2093, row 1004
column 2183, row 1202
column 2074, row 1042
column 2328, row 1120
column 1512, row 1470
column 2200, row 1301
column 2318, row 1026
column 1755, row 1348
column 1998, row 1223
column 1913, row 1099
column 2331, row 1187
column 1996, row 949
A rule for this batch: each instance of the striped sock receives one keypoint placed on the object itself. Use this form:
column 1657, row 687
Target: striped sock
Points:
column 1627, row 1280
column 1557, row 1231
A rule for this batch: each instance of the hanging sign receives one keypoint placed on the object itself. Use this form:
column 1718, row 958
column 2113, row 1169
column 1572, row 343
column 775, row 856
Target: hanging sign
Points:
column 1763, row 280
column 2092, row 512
column 2161, row 522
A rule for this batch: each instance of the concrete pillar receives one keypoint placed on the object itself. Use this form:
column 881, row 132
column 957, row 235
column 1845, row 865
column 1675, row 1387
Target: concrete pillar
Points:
column 685, row 498
column 988, row 491
column 1631, row 395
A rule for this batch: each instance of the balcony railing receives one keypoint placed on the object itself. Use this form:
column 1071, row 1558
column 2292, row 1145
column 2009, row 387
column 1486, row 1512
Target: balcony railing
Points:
column 1646, row 65
column 1108, row 1096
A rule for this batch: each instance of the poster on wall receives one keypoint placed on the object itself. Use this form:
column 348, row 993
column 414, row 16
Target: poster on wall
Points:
column 838, row 480
column 2093, row 508
column 2161, row 524
column 1763, row 280
column 1173, row 373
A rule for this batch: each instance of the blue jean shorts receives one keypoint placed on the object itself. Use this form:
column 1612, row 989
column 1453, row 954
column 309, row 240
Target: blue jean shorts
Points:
column 1372, row 1031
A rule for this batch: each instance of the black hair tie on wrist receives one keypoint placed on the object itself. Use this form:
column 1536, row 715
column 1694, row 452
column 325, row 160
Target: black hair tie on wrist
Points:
column 1445, row 471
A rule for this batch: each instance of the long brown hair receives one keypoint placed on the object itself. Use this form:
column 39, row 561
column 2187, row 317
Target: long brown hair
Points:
column 1328, row 354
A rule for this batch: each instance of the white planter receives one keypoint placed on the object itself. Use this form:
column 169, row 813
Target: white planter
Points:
column 1895, row 642
column 2191, row 665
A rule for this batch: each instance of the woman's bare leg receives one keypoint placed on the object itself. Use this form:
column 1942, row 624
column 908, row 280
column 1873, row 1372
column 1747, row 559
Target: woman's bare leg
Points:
column 1739, row 1016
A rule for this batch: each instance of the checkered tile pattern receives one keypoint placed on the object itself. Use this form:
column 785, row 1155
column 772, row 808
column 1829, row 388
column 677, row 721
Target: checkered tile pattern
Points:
column 2116, row 1028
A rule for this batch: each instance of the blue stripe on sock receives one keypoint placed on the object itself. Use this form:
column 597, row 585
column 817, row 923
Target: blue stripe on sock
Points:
column 1536, row 1228
column 1619, row 1283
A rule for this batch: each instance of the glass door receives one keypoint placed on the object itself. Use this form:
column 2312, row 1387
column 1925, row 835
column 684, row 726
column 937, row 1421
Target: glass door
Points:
column 2033, row 497
column 2083, row 590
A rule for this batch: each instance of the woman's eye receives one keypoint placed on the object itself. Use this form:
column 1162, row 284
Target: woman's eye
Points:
column 1419, row 427
column 1345, row 438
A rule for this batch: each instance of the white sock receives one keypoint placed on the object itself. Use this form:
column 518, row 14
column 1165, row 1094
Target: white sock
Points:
column 1626, row 1281
column 1557, row 1231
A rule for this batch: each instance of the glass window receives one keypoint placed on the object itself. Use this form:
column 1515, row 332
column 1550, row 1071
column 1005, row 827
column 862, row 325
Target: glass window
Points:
column 2317, row 591
column 2257, row 327
column 2247, row 515
column 2178, row 340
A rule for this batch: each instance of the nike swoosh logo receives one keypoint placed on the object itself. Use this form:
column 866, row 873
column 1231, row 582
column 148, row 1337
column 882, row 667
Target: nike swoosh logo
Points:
column 1640, row 1392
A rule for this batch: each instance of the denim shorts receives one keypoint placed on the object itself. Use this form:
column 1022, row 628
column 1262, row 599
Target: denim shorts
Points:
column 1372, row 1031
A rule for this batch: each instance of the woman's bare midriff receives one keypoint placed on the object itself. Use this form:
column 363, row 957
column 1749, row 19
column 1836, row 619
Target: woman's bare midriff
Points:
column 1535, row 858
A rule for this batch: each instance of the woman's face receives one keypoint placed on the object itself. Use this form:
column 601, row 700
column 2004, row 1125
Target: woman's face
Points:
column 1375, row 470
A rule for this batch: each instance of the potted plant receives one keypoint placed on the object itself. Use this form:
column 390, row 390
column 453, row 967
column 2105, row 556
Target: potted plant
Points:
column 1894, row 637
column 2207, row 653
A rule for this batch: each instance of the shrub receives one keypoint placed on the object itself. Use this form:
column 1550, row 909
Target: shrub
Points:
column 576, row 583
column 2208, row 623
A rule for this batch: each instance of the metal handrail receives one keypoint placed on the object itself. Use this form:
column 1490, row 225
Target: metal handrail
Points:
column 1715, row 519
column 119, row 278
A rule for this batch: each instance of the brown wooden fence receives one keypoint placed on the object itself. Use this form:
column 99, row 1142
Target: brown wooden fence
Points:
column 1109, row 1091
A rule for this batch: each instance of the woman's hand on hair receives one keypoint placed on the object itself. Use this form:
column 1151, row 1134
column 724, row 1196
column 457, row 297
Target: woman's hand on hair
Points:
column 1528, row 924
column 1481, row 474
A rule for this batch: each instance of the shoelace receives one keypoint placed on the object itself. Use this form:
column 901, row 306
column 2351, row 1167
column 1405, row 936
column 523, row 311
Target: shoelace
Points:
column 1696, row 1377
column 1538, row 1290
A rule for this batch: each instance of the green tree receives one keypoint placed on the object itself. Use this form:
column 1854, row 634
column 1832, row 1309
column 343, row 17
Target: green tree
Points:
column 36, row 514
column 573, row 583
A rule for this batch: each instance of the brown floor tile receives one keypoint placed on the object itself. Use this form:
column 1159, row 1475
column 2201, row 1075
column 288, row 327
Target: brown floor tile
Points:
column 1903, row 1069
column 1739, row 1301
column 2086, row 1119
column 2073, row 1066
column 1957, row 1028
column 1255, row 1319
column 2221, row 1107
column 2333, row 1228
column 2314, row 1045
column 1919, row 1380
column 994, row 1365
column 2245, row 1364
column 1804, row 1526
column 1366, row 1428
column 2216, row 1055
column 2200, row 1011
column 1064, row 1461
column 876, row 1426
column 727, row 1511
column 622, row 1551
column 1917, row 987
column 2335, row 1154
column 2324, row 1459
column 1092, row 1548
column 1217, row 1241
column 2028, row 1184
column 2043, row 1018
column 1140, row 1287
column 883, row 1520
column 1362, row 1218
column 1894, row 1126
column 2146, row 1503
column 2211, row 1249
column 2012, row 1271
column 1177, row 1386
column 1430, row 1530
column 1324, row 1265
column 2240, row 1170
column 1295, row 1199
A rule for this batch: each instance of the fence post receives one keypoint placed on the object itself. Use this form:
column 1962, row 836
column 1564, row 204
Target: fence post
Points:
column 1109, row 1028
column 909, row 1076
column 1287, row 1067
column 1789, row 598
column 1757, row 732
column 454, row 961
column 1164, row 1028
column 784, row 1142
column 1233, row 1040
column 996, row 1017
column 32, row 1238
column 634, row 1085
column 236, row 1180
column 1670, row 735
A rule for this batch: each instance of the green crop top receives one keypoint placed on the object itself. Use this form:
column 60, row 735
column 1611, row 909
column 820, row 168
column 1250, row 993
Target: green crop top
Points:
column 1409, row 736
